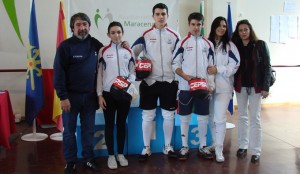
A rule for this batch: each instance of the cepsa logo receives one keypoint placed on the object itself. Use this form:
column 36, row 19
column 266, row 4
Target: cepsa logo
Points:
column 121, row 83
column 143, row 66
column 198, row 84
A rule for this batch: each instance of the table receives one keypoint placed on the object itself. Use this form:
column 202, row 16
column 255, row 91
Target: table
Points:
column 7, row 119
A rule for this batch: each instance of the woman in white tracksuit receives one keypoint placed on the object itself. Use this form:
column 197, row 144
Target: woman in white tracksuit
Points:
column 227, row 61
column 115, row 61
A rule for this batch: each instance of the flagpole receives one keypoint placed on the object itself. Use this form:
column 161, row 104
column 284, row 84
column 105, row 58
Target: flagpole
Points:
column 34, row 136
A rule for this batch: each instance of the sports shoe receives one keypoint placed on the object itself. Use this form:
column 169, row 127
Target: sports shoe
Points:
column 70, row 168
column 219, row 155
column 122, row 160
column 145, row 153
column 255, row 158
column 92, row 165
column 183, row 153
column 211, row 148
column 241, row 153
column 111, row 162
column 168, row 150
column 205, row 153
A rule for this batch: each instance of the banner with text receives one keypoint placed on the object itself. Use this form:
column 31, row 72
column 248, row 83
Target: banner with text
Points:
column 134, row 15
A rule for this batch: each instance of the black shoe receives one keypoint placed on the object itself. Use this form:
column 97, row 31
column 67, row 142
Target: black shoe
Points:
column 70, row 168
column 91, row 165
column 241, row 153
column 255, row 158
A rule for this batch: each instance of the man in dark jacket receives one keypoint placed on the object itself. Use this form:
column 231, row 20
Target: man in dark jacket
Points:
column 75, row 71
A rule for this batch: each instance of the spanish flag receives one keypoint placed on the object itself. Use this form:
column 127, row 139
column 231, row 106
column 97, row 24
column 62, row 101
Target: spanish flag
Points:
column 61, row 35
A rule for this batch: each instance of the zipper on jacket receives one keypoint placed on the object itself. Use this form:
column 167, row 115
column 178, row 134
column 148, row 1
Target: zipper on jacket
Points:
column 118, row 59
column 161, row 58
column 196, row 57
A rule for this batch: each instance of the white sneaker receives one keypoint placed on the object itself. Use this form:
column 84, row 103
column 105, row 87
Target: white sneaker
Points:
column 112, row 163
column 145, row 153
column 219, row 155
column 122, row 160
column 168, row 150
column 183, row 153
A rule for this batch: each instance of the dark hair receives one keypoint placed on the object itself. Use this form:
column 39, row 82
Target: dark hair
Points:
column 115, row 23
column 160, row 6
column 215, row 24
column 81, row 16
column 197, row 16
column 236, row 37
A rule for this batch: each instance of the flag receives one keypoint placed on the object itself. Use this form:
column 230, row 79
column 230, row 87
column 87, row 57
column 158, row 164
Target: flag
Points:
column 61, row 35
column 34, row 80
column 229, row 21
column 202, row 12
column 61, row 28
column 11, row 12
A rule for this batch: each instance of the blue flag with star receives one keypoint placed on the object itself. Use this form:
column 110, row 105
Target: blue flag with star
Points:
column 34, row 81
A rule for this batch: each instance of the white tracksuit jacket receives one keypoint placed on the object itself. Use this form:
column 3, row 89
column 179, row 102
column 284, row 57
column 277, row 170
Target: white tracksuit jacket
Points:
column 114, row 60
column 193, row 55
column 227, row 64
column 158, row 45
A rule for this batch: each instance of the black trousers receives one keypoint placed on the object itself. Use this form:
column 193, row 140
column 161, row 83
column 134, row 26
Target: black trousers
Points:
column 122, row 108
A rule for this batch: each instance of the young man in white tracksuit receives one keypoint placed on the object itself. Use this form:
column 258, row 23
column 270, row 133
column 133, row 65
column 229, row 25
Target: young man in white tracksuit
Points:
column 158, row 44
column 191, row 59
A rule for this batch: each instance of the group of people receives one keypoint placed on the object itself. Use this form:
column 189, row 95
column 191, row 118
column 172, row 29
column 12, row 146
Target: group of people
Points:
column 85, row 71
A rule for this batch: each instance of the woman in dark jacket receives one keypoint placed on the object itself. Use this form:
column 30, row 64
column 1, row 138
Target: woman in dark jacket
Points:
column 252, row 82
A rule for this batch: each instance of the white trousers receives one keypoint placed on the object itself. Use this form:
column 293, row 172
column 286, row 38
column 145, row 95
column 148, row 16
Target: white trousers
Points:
column 253, row 102
column 217, row 116
column 147, row 125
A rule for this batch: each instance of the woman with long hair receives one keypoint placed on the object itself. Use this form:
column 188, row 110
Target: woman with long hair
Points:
column 227, row 61
column 252, row 82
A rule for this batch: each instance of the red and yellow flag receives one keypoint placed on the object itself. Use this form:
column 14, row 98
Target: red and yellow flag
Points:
column 61, row 35
column 61, row 28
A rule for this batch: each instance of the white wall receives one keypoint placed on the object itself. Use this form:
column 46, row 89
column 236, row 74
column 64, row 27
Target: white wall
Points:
column 13, row 54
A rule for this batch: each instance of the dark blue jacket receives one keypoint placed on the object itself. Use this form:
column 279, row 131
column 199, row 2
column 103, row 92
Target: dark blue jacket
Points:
column 75, row 66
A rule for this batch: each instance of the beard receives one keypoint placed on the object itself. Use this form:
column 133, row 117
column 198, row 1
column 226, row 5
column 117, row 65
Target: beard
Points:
column 82, row 34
